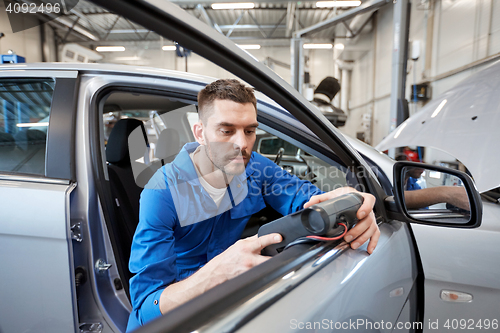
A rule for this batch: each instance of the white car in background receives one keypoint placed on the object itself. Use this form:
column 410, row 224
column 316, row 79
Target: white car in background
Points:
column 462, row 124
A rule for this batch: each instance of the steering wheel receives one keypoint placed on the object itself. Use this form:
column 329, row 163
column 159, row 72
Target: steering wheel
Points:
column 279, row 155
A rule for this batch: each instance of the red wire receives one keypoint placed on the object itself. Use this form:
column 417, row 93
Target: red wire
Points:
column 330, row 238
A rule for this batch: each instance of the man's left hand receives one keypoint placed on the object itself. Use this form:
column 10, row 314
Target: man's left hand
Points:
column 366, row 228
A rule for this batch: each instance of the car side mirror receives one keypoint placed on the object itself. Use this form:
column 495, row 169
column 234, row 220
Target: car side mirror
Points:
column 433, row 195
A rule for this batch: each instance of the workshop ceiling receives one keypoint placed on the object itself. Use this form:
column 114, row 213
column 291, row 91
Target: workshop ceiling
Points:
column 90, row 24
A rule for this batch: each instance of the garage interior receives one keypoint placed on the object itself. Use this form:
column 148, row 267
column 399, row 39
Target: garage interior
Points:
column 92, row 105
column 373, row 47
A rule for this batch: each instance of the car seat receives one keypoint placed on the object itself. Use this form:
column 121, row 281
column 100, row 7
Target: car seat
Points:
column 168, row 146
column 124, row 189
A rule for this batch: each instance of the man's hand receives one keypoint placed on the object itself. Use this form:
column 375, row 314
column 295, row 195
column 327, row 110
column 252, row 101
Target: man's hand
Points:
column 241, row 256
column 366, row 228
column 237, row 259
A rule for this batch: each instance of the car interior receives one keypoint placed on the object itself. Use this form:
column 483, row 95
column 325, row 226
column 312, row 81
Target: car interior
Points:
column 142, row 132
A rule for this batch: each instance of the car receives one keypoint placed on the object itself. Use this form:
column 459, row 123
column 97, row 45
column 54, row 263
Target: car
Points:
column 460, row 128
column 70, row 199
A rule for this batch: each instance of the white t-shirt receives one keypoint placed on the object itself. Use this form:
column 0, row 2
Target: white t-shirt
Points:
column 215, row 193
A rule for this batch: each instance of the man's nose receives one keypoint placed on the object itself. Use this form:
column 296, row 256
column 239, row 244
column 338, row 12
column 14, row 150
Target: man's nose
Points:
column 240, row 141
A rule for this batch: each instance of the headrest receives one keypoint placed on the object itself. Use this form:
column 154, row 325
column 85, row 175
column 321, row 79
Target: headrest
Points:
column 168, row 145
column 117, row 149
column 329, row 87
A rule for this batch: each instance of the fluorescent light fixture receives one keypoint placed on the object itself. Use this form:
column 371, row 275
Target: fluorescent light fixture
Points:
column 240, row 5
column 168, row 47
column 330, row 4
column 44, row 124
column 439, row 108
column 317, row 46
column 128, row 31
column 110, row 48
column 435, row 174
column 128, row 58
column 249, row 46
column 339, row 46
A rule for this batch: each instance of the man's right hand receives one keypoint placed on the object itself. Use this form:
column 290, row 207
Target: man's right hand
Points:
column 237, row 259
column 241, row 256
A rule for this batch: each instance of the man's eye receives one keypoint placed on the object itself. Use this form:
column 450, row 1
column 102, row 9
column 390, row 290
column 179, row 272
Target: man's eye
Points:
column 226, row 132
column 251, row 132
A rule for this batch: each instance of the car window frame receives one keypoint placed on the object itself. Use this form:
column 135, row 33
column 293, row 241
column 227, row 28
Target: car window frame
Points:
column 244, row 287
column 170, row 21
column 175, row 24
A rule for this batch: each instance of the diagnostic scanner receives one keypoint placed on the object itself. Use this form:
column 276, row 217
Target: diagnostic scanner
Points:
column 318, row 220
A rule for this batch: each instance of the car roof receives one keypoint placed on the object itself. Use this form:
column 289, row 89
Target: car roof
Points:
column 116, row 69
column 129, row 70
column 103, row 68
column 463, row 122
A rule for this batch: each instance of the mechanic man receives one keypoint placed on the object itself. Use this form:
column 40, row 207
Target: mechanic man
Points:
column 412, row 177
column 193, row 210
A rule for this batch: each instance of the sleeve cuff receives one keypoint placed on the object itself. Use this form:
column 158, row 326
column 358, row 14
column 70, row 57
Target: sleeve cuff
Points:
column 150, row 309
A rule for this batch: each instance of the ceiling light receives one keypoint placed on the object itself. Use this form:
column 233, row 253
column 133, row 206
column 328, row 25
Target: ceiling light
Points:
column 43, row 124
column 127, row 58
column 241, row 5
column 330, row 4
column 249, row 46
column 339, row 46
column 110, row 48
column 317, row 46
column 169, row 48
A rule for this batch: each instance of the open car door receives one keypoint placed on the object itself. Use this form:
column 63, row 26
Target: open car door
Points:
column 303, row 287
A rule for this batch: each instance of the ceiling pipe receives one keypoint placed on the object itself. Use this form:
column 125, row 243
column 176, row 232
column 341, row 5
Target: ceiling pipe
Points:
column 297, row 64
column 367, row 6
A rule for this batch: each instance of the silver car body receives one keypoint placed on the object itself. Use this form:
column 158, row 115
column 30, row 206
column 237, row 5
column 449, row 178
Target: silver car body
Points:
column 339, row 285
column 463, row 122
column 38, row 291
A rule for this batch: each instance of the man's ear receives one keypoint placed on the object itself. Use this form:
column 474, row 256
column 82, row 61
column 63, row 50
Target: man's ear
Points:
column 198, row 132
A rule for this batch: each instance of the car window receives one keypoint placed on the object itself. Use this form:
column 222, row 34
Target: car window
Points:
column 271, row 145
column 147, row 132
column 24, row 122
column 147, row 154
column 137, row 121
column 301, row 162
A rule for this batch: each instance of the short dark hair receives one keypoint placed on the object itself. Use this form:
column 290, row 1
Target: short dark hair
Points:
column 224, row 89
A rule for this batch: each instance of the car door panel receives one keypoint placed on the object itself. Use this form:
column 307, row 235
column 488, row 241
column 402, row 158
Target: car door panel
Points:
column 341, row 286
column 355, row 286
column 36, row 260
column 463, row 264
column 391, row 266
